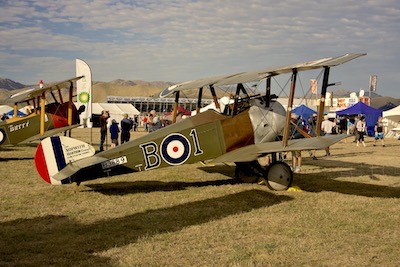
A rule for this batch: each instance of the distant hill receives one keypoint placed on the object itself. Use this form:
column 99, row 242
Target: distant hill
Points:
column 8, row 84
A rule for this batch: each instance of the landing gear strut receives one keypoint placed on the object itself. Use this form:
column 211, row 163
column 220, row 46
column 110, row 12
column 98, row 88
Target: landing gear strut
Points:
column 278, row 175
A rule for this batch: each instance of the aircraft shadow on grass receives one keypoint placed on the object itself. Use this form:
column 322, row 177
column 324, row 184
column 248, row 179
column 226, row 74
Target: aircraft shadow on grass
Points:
column 327, row 181
column 142, row 186
column 58, row 240
column 15, row 159
column 312, row 182
column 123, row 188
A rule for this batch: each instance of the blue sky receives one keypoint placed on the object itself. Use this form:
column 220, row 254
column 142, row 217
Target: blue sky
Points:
column 182, row 40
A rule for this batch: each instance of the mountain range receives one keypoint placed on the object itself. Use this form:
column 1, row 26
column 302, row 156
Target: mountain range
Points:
column 152, row 89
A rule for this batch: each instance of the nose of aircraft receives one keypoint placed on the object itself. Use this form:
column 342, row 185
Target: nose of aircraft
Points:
column 267, row 123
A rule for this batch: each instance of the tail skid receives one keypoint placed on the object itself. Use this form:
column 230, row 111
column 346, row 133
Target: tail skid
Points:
column 56, row 153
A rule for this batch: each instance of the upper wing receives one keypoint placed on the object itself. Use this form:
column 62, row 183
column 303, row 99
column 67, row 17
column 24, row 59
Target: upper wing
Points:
column 252, row 152
column 34, row 92
column 245, row 77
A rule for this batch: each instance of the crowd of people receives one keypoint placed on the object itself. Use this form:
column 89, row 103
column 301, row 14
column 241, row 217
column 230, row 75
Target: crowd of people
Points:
column 122, row 130
column 355, row 125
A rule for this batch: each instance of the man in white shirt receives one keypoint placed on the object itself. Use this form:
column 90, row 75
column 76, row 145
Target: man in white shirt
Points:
column 326, row 127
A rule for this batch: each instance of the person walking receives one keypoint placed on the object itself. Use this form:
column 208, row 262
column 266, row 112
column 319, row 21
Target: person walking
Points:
column 361, row 128
column 114, row 130
column 379, row 135
column 103, row 128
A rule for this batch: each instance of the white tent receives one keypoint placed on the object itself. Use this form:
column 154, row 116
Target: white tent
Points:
column 392, row 121
column 7, row 109
column 223, row 101
column 116, row 110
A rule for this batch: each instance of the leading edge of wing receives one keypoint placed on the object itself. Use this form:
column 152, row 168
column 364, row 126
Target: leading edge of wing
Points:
column 252, row 152
column 31, row 93
column 244, row 77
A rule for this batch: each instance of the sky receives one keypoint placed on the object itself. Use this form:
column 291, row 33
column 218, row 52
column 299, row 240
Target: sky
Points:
column 182, row 40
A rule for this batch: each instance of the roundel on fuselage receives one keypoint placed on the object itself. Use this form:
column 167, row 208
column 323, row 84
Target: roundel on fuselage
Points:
column 3, row 136
column 175, row 149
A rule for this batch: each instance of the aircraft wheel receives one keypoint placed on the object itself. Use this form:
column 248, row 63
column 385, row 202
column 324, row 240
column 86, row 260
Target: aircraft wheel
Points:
column 247, row 172
column 279, row 176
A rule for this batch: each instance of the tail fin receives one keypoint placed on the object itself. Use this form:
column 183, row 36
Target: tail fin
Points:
column 54, row 153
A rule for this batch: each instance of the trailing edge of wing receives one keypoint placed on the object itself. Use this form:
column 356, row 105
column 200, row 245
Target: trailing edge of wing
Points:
column 34, row 92
column 244, row 77
column 252, row 152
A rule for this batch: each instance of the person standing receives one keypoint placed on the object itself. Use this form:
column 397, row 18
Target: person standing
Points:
column 326, row 127
column 312, row 123
column 361, row 128
column 126, row 126
column 114, row 130
column 154, row 121
column 103, row 128
column 295, row 134
column 379, row 135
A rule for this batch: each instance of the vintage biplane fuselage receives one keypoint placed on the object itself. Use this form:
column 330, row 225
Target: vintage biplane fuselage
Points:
column 205, row 136
column 17, row 130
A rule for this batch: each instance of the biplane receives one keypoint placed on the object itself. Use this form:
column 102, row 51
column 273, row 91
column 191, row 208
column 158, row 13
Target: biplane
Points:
column 49, row 109
column 252, row 127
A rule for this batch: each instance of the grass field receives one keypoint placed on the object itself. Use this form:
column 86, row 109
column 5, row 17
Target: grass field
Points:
column 347, row 214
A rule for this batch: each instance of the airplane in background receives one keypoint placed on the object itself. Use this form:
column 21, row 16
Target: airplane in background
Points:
column 252, row 127
column 48, row 113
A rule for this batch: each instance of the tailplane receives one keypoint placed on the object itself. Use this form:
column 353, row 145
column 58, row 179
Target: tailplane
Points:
column 54, row 153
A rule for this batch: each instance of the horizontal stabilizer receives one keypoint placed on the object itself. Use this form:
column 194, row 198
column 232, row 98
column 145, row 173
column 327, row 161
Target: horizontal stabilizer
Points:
column 55, row 153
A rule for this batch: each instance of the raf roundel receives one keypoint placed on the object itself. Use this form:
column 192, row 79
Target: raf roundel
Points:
column 175, row 149
column 2, row 136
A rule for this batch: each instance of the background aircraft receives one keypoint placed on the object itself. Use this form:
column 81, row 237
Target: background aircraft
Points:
column 243, row 133
column 49, row 109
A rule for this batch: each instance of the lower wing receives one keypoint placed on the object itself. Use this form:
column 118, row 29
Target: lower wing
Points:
column 252, row 152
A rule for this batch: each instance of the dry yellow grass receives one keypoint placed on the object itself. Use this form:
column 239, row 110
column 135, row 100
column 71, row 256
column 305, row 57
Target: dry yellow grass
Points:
column 347, row 214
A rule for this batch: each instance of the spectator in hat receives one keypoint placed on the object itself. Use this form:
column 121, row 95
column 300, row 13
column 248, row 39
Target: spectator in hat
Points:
column 114, row 130
column 126, row 126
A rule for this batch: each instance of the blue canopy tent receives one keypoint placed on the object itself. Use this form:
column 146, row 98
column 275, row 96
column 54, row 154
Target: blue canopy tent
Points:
column 19, row 113
column 371, row 114
column 304, row 112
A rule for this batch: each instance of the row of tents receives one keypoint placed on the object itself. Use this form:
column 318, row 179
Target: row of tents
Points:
column 391, row 117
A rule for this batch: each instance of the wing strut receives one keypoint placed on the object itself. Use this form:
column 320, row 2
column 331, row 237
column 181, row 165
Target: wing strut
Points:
column 239, row 88
column 175, row 111
column 42, row 112
column 289, row 108
column 71, row 87
column 321, row 106
column 214, row 96
column 200, row 95
column 268, row 92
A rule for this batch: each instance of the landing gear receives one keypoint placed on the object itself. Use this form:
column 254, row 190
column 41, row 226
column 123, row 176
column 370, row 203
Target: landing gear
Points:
column 248, row 172
column 278, row 175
